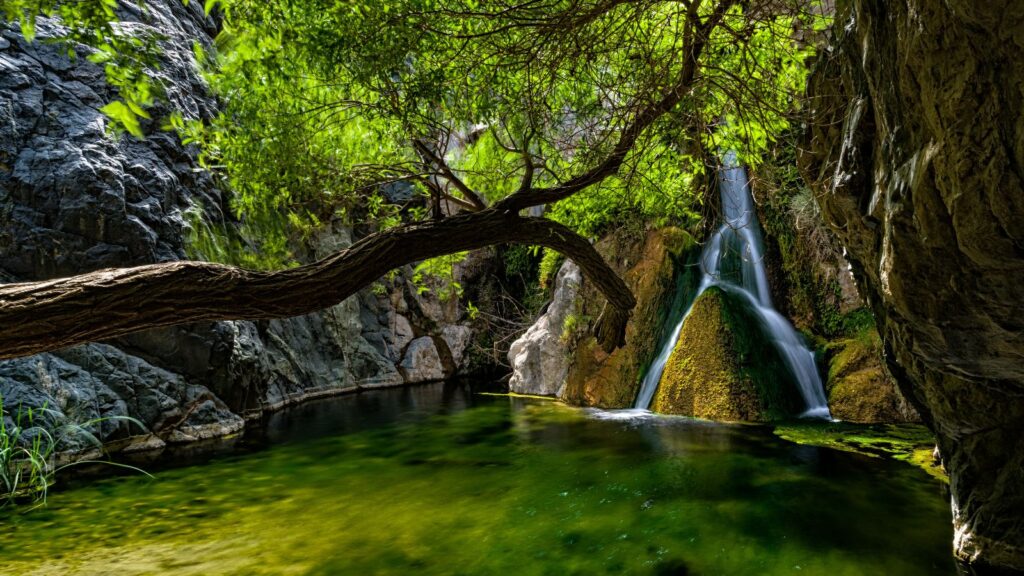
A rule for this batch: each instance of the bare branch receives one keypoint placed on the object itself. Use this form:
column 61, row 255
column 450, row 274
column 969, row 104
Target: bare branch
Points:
column 41, row 316
column 472, row 197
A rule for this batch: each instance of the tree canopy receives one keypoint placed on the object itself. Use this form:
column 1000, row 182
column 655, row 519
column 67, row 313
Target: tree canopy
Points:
column 414, row 116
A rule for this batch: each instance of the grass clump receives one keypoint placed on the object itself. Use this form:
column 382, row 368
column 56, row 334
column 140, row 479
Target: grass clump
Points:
column 28, row 450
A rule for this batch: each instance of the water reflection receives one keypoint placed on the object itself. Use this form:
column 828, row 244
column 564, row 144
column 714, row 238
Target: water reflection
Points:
column 440, row 480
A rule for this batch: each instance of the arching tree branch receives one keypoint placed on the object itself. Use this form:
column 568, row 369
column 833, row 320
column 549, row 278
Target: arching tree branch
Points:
column 40, row 316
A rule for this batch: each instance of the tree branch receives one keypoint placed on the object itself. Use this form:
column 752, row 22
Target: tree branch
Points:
column 629, row 135
column 41, row 316
column 466, row 191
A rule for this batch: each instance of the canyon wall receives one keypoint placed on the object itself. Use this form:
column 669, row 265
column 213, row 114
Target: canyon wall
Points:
column 915, row 144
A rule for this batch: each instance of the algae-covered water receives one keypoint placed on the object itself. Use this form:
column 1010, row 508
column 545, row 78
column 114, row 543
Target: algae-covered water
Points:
column 438, row 480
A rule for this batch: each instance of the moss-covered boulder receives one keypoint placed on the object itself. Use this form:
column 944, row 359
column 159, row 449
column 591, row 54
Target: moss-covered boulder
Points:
column 650, row 265
column 723, row 368
column 859, row 388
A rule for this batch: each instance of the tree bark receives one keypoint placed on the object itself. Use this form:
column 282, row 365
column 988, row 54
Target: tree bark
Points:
column 41, row 316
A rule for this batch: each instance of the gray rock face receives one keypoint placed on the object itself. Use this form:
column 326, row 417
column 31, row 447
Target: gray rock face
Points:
column 916, row 147
column 74, row 198
column 539, row 358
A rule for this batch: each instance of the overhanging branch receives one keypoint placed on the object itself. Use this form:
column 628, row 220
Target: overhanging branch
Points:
column 41, row 316
column 631, row 133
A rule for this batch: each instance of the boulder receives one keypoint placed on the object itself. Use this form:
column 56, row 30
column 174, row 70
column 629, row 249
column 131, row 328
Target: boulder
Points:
column 540, row 357
column 722, row 368
column 859, row 388
column 421, row 362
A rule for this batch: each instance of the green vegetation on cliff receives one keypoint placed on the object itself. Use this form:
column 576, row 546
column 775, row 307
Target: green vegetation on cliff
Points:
column 813, row 286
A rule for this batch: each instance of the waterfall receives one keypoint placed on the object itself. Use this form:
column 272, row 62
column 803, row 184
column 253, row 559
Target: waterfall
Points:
column 733, row 260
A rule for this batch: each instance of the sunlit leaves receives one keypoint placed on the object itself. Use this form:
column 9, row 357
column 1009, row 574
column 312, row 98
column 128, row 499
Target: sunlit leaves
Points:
column 322, row 100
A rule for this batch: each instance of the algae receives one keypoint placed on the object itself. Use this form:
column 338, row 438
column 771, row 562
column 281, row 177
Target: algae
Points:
column 910, row 443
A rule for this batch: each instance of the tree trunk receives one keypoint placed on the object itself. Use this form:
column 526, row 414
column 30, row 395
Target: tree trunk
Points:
column 40, row 316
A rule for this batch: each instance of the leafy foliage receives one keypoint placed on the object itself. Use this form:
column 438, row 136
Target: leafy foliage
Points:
column 442, row 271
column 330, row 107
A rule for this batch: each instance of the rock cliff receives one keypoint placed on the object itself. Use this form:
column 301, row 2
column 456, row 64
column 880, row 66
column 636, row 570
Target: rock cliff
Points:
column 812, row 285
column 558, row 356
column 75, row 198
column 916, row 146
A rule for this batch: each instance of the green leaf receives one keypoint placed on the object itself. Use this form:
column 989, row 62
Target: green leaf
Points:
column 123, row 116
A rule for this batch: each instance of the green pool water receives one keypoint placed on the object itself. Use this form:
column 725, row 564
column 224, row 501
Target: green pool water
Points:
column 439, row 480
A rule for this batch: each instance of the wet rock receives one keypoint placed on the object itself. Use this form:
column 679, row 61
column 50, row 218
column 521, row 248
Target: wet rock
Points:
column 914, row 145
column 723, row 368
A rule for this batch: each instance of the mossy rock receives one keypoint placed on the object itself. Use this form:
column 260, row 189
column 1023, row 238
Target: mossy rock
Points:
column 650, row 269
column 858, row 387
column 724, row 369
column 910, row 443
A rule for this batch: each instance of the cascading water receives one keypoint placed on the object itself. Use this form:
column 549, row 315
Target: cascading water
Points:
column 733, row 260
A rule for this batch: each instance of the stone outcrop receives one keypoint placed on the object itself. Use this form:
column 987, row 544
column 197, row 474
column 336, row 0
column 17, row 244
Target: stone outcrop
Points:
column 916, row 146
column 858, row 387
column 74, row 198
column 654, row 267
column 558, row 356
column 722, row 368
column 540, row 357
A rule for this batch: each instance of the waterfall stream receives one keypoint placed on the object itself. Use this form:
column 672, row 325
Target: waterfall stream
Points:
column 733, row 260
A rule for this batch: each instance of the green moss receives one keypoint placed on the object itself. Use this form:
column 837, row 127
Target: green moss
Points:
column 723, row 368
column 911, row 443
column 858, row 387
